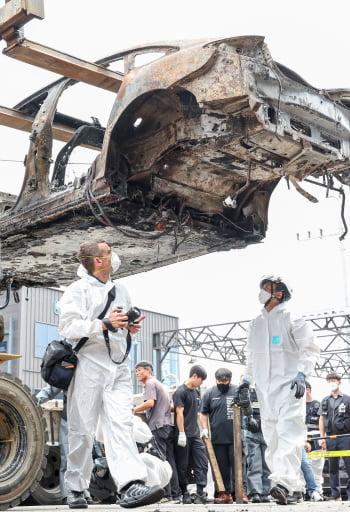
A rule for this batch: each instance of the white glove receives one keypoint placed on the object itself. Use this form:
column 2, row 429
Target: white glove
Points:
column 205, row 432
column 182, row 439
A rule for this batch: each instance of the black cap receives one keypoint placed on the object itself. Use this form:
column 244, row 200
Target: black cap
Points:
column 307, row 384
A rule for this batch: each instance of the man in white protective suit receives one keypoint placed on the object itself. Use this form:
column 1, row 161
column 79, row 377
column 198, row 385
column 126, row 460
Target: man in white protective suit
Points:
column 281, row 353
column 101, row 386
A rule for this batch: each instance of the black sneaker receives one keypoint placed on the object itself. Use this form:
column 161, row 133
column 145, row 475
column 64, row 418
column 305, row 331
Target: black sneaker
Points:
column 280, row 494
column 186, row 499
column 75, row 499
column 200, row 499
column 138, row 494
column 88, row 498
column 265, row 498
column 176, row 500
column 255, row 498
column 296, row 497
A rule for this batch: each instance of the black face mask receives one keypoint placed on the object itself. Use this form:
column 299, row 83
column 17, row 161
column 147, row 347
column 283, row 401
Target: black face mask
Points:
column 223, row 387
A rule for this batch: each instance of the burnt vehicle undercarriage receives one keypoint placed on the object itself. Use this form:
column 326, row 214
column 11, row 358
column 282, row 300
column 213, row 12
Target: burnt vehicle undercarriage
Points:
column 195, row 144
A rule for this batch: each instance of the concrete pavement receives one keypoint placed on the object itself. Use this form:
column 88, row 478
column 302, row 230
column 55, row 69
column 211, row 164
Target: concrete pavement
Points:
column 306, row 506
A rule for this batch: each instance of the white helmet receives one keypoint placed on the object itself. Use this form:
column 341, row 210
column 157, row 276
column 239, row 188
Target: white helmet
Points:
column 282, row 285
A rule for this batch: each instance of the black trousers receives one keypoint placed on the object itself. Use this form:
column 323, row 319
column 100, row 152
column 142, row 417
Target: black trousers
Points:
column 192, row 457
column 224, row 457
column 342, row 443
column 165, row 437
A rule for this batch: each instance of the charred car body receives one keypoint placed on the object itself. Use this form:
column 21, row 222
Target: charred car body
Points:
column 195, row 144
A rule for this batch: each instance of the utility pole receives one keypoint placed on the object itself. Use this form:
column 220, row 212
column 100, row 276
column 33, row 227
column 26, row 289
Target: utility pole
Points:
column 309, row 236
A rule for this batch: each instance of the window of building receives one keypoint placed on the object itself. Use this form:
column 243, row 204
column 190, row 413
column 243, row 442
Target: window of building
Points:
column 44, row 334
column 170, row 370
column 3, row 346
column 135, row 356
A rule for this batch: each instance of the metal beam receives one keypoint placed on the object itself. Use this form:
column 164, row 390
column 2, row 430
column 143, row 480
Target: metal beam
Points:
column 61, row 63
column 227, row 342
column 15, row 119
column 16, row 13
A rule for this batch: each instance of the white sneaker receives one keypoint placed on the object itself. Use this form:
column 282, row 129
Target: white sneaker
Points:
column 316, row 496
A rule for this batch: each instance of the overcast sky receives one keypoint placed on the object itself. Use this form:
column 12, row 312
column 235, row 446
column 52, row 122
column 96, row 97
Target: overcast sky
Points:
column 312, row 38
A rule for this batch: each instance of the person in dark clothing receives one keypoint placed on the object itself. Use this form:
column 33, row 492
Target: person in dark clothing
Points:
column 258, row 481
column 190, row 448
column 49, row 393
column 157, row 407
column 216, row 410
column 335, row 419
column 312, row 421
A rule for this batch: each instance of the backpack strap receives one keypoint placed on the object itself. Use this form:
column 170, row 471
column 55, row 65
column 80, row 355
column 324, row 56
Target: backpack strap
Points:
column 80, row 344
column 110, row 298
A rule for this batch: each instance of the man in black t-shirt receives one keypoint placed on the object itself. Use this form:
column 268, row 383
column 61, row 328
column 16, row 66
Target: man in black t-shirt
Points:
column 216, row 410
column 190, row 450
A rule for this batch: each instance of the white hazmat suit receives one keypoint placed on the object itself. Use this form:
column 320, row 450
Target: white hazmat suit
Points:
column 277, row 349
column 99, row 387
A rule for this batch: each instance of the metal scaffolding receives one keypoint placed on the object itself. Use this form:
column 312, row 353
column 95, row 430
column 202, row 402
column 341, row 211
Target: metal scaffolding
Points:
column 226, row 343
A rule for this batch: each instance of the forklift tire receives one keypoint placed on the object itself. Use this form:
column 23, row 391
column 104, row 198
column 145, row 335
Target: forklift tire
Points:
column 23, row 445
column 48, row 491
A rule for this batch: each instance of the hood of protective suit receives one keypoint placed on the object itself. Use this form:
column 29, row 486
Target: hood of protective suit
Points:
column 82, row 272
column 274, row 311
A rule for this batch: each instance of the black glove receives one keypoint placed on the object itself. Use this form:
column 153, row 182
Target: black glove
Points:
column 253, row 425
column 244, row 399
column 244, row 385
column 299, row 383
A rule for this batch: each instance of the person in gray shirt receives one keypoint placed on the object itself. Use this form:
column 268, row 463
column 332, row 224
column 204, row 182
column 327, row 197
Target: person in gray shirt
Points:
column 157, row 408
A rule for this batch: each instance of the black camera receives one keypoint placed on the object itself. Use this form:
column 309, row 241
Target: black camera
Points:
column 133, row 314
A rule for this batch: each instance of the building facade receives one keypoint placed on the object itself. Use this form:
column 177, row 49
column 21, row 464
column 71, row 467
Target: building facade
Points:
column 30, row 323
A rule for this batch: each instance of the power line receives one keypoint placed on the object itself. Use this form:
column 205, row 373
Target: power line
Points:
column 21, row 162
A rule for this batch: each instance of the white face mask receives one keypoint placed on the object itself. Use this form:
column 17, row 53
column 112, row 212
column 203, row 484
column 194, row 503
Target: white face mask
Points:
column 264, row 296
column 333, row 386
column 115, row 262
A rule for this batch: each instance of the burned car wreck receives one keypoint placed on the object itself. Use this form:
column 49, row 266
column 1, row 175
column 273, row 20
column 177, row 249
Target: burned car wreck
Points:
column 196, row 142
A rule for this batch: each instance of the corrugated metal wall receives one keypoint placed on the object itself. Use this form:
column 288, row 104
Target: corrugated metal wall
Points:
column 38, row 305
column 154, row 322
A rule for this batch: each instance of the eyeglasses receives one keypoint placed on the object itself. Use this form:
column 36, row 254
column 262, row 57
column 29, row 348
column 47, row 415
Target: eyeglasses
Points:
column 101, row 257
